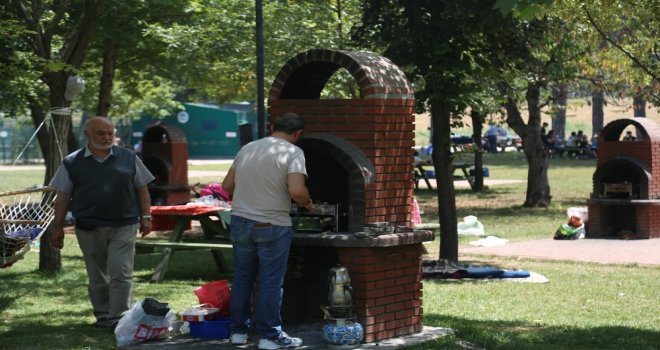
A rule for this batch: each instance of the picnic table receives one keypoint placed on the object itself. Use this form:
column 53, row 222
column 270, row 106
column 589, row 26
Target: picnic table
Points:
column 213, row 220
column 423, row 174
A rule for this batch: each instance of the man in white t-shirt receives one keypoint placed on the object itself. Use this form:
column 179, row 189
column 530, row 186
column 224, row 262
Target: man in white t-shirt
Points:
column 265, row 176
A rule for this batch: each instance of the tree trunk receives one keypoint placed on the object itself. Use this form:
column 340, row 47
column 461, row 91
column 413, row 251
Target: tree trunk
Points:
column 477, row 120
column 639, row 107
column 72, row 53
column 54, row 147
column 444, row 174
column 559, row 121
column 107, row 78
column 538, row 186
column 597, row 112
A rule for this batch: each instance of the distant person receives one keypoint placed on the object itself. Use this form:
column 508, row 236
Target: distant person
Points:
column 571, row 142
column 550, row 142
column 581, row 140
column 138, row 148
column 491, row 138
column 629, row 136
column 106, row 188
column 594, row 146
column 544, row 130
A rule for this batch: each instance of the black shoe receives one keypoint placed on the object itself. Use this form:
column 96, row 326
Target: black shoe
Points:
column 105, row 323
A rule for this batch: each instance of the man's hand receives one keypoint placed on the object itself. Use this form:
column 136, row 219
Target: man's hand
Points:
column 57, row 237
column 145, row 227
column 309, row 206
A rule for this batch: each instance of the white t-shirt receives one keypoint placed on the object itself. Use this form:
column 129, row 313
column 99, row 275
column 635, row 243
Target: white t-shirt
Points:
column 261, row 192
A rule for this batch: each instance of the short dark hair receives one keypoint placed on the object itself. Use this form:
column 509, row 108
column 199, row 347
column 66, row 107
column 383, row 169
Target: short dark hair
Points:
column 288, row 123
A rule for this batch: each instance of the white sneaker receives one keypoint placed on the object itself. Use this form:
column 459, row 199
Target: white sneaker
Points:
column 282, row 342
column 239, row 338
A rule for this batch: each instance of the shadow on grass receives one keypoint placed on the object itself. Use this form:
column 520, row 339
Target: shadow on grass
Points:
column 184, row 265
column 514, row 335
column 39, row 333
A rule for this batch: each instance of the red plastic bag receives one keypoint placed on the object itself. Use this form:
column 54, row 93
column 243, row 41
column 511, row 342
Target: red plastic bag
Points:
column 215, row 293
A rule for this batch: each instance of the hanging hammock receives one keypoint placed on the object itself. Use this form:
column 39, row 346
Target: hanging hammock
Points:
column 24, row 217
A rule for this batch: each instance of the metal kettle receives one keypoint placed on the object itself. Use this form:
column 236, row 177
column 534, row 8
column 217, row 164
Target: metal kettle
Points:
column 340, row 293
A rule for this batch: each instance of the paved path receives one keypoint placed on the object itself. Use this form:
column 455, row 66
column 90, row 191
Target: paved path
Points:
column 612, row 251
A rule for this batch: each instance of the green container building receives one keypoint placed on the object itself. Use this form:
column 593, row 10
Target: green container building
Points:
column 211, row 131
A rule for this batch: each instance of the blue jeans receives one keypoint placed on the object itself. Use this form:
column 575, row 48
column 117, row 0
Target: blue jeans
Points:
column 262, row 252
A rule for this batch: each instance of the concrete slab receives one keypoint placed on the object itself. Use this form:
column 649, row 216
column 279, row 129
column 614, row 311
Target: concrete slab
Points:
column 310, row 333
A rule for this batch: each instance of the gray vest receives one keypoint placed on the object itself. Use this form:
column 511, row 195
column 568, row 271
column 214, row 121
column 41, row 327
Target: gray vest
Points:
column 103, row 193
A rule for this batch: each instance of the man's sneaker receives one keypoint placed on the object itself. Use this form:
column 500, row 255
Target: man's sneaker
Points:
column 281, row 342
column 239, row 338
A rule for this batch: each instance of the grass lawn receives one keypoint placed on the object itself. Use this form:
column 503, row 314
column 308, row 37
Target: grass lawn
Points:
column 583, row 306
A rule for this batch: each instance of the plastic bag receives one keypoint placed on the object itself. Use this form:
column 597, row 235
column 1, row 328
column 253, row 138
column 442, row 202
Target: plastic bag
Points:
column 215, row 190
column 580, row 212
column 567, row 231
column 146, row 320
column 215, row 293
column 470, row 226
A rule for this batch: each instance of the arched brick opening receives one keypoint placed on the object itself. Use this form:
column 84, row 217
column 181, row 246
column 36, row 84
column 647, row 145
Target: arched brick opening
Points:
column 305, row 75
column 646, row 129
column 626, row 170
column 339, row 172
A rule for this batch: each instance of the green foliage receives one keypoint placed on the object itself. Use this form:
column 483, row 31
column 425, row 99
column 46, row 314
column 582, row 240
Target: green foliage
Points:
column 524, row 9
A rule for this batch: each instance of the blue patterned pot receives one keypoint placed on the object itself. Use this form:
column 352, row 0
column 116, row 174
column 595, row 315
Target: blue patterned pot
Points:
column 340, row 331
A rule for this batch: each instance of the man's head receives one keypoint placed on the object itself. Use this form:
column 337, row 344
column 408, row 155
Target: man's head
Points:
column 100, row 133
column 290, row 124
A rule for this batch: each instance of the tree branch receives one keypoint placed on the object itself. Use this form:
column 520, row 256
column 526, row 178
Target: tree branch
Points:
column 60, row 11
column 36, row 40
column 73, row 52
column 602, row 33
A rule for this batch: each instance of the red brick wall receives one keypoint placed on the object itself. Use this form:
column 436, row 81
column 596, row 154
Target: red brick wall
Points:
column 387, row 289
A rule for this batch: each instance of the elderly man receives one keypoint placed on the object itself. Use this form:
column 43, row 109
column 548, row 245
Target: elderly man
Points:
column 105, row 187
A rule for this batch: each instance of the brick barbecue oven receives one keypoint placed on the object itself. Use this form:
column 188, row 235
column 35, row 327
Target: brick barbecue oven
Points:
column 626, row 196
column 165, row 154
column 359, row 156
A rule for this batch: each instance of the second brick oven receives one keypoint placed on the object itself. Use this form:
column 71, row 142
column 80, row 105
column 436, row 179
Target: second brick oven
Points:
column 359, row 155
column 626, row 194
column 165, row 154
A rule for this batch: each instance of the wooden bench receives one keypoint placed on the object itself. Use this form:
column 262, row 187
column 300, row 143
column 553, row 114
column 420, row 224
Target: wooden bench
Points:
column 169, row 248
column 579, row 152
column 420, row 173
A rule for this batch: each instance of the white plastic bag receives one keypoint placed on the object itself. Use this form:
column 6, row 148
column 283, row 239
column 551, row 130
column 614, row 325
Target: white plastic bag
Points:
column 580, row 212
column 470, row 226
column 137, row 326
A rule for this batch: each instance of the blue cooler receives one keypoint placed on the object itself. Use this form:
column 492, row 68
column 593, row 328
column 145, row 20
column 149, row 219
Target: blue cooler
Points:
column 486, row 172
column 210, row 329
